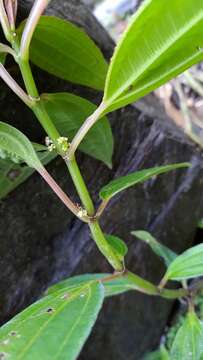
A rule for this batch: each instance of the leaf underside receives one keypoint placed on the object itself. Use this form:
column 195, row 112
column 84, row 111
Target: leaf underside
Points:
column 15, row 143
column 159, row 44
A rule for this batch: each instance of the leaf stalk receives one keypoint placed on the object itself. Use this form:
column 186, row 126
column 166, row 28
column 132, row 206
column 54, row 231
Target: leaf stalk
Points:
column 32, row 21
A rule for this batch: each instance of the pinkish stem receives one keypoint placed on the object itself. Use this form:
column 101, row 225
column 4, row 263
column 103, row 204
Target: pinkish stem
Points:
column 62, row 196
column 37, row 10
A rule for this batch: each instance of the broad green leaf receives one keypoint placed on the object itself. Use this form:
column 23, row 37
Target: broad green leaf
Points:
column 17, row 146
column 188, row 265
column 64, row 50
column 12, row 175
column 188, row 343
column 118, row 245
column 55, row 327
column 68, row 112
column 161, row 250
column 115, row 286
column 158, row 44
column 124, row 182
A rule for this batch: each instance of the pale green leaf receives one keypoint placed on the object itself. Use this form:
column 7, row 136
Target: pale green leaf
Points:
column 188, row 343
column 118, row 245
column 188, row 265
column 68, row 112
column 161, row 41
column 161, row 250
column 17, row 146
column 64, row 50
column 55, row 327
column 124, row 182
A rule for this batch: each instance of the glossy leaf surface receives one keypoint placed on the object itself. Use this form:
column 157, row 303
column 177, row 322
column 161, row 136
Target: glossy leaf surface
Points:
column 17, row 146
column 124, row 182
column 188, row 343
column 55, row 327
column 161, row 250
column 188, row 265
column 68, row 112
column 66, row 51
column 118, row 245
column 158, row 45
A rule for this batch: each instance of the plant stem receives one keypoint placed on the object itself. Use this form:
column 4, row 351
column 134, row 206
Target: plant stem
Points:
column 101, row 208
column 62, row 196
column 37, row 9
column 104, row 247
column 28, row 78
column 14, row 86
column 146, row 287
column 4, row 23
column 7, row 49
column 77, row 178
column 80, row 186
column 89, row 122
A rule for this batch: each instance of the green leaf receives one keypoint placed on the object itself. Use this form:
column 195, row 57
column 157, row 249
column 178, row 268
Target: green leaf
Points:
column 115, row 286
column 54, row 327
column 64, row 50
column 12, row 175
column 158, row 45
column 188, row 343
column 17, row 146
column 118, row 245
column 124, row 182
column 161, row 250
column 188, row 265
column 68, row 112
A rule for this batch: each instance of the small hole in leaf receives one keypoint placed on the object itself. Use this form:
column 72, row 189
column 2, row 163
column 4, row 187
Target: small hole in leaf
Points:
column 13, row 333
column 50, row 310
